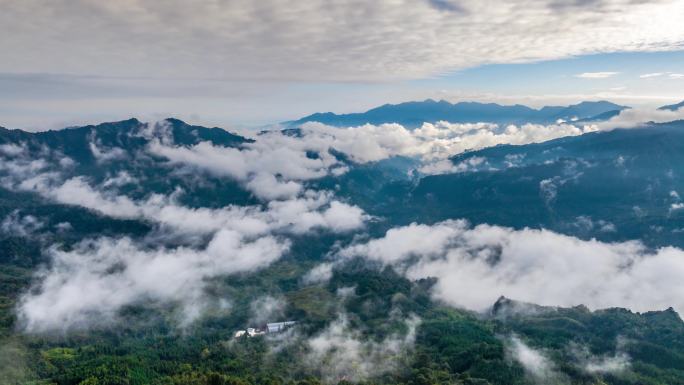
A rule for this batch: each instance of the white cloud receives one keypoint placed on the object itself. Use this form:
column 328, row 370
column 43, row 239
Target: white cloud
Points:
column 475, row 266
column 536, row 364
column 446, row 166
column 671, row 75
column 352, row 40
column 116, row 273
column 637, row 117
column 320, row 273
column 11, row 149
column 91, row 283
column 274, row 166
column 652, row 75
column 102, row 154
column 18, row 225
column 596, row 75
column 341, row 352
column 122, row 178
column 591, row 363
column 267, row 187
column 399, row 244
column 266, row 309
column 302, row 213
column 269, row 167
column 587, row 224
column 615, row 364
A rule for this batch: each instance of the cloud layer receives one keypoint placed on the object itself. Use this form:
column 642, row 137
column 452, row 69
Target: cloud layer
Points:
column 476, row 265
column 276, row 164
column 319, row 40
column 90, row 284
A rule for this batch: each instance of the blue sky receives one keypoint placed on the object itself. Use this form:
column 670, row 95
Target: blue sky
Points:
column 246, row 63
column 560, row 76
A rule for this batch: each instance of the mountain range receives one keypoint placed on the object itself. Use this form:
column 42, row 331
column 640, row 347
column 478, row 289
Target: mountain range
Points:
column 413, row 114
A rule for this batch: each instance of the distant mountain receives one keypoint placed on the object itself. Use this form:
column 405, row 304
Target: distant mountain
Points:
column 602, row 117
column 413, row 114
column 672, row 107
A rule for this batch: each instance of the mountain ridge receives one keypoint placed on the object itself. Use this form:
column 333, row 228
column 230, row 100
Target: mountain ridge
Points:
column 672, row 107
column 414, row 113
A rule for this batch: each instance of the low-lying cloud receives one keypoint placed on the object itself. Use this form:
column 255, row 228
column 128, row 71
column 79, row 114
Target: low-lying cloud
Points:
column 476, row 265
column 638, row 117
column 276, row 164
column 90, row 284
column 341, row 352
column 595, row 364
column 537, row 365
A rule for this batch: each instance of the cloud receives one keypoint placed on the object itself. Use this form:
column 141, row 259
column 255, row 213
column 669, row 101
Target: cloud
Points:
column 586, row 224
column 638, row 117
column 476, row 265
column 277, row 167
column 536, row 364
column 21, row 170
column 122, row 178
column 548, row 188
column 671, row 75
column 269, row 167
column 307, row 211
column 596, row 75
column 341, row 352
column 300, row 215
column 276, row 164
column 615, row 364
column 652, row 75
column 104, row 155
column 347, row 41
column 266, row 309
column 320, row 273
column 267, row 186
column 88, row 285
column 591, row 363
column 11, row 149
column 17, row 225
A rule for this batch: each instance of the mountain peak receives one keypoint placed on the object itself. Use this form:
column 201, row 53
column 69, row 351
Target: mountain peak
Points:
column 672, row 107
column 506, row 307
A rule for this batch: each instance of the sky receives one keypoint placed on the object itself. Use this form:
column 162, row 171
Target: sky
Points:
column 243, row 63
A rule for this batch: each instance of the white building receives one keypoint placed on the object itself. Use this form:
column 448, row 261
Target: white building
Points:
column 277, row 327
column 274, row 327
